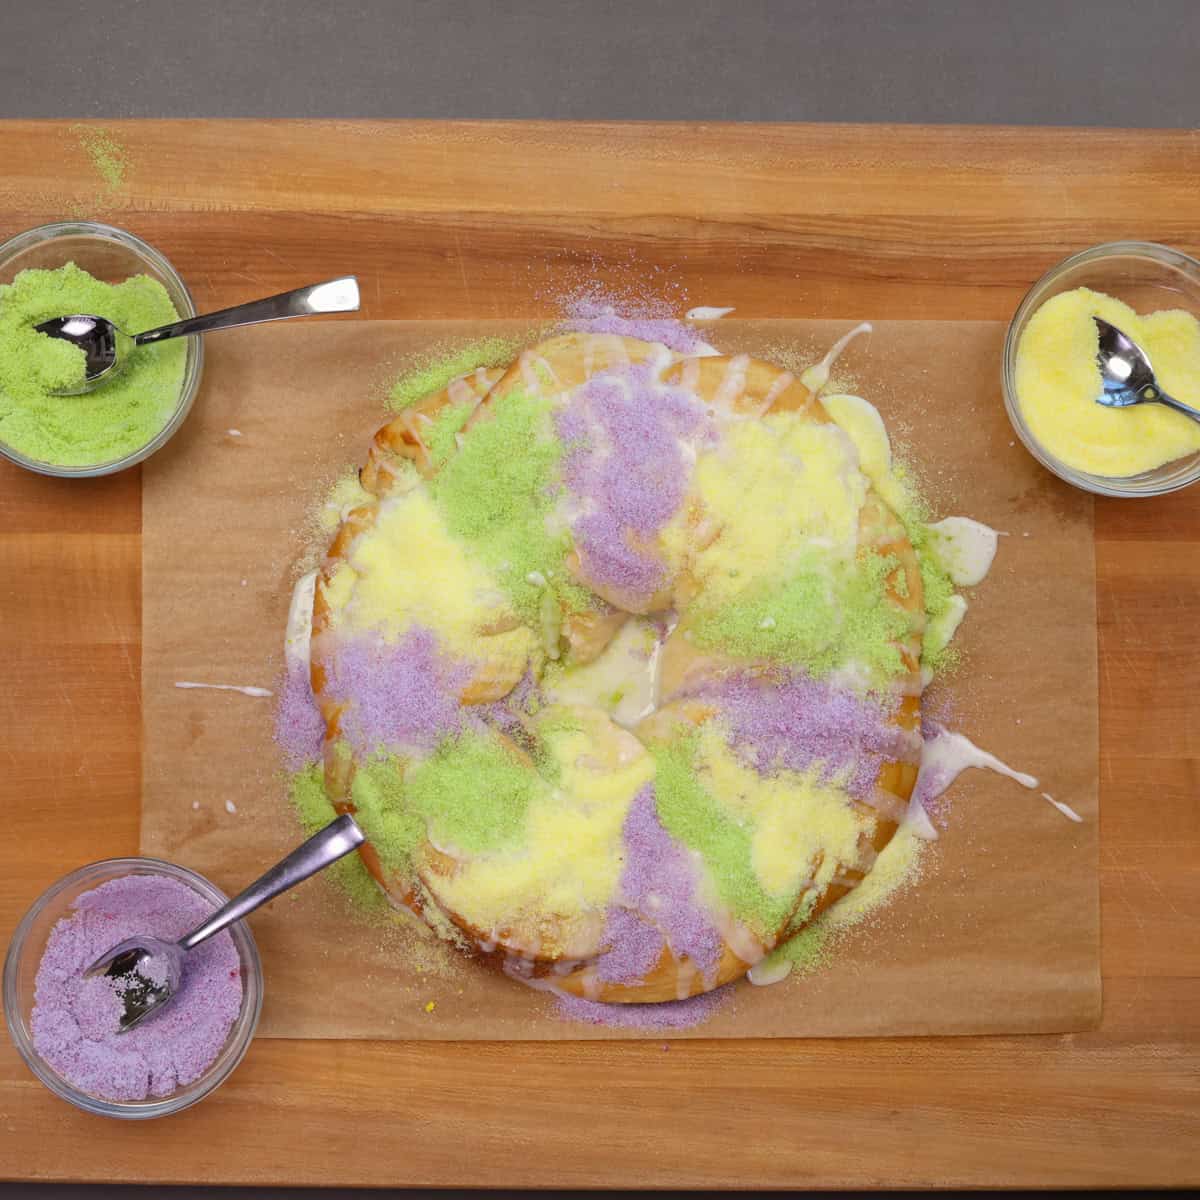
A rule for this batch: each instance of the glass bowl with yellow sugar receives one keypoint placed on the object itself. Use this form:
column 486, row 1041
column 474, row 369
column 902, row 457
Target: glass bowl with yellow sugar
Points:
column 1051, row 377
column 83, row 266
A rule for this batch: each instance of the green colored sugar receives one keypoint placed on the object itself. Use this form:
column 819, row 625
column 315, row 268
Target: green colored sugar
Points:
column 433, row 374
column 689, row 813
column 442, row 434
column 495, row 493
column 118, row 418
column 936, row 584
column 898, row 867
column 472, row 793
column 812, row 618
column 808, row 951
column 107, row 155
column 312, row 805
column 382, row 809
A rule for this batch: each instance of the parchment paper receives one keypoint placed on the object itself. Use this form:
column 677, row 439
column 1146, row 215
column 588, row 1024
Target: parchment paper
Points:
column 1000, row 936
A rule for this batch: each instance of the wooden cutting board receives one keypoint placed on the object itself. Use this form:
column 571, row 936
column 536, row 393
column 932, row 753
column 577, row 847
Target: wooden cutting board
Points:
column 477, row 220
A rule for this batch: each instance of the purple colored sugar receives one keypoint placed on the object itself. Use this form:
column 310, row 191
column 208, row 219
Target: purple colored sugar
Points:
column 796, row 723
column 75, row 1020
column 671, row 1014
column 592, row 314
column 658, row 893
column 299, row 729
column 626, row 470
column 402, row 694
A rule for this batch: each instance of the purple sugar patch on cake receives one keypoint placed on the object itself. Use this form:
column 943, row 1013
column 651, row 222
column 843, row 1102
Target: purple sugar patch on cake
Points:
column 658, row 887
column 396, row 694
column 626, row 470
column 634, row 947
column 671, row 1014
column 796, row 723
column 299, row 729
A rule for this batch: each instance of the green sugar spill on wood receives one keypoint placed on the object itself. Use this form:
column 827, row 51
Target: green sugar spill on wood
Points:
column 691, row 815
column 117, row 419
column 107, row 155
column 441, row 436
column 495, row 493
column 307, row 790
column 813, row 618
column 433, row 374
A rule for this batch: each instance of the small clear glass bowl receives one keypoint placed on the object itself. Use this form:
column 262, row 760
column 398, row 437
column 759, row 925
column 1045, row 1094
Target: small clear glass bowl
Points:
column 25, row 955
column 1146, row 276
column 112, row 255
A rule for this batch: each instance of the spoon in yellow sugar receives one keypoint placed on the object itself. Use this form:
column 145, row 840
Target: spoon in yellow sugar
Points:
column 1127, row 375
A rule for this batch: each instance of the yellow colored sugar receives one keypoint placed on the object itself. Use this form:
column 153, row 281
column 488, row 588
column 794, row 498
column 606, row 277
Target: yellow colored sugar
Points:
column 773, row 486
column 801, row 828
column 1058, row 380
column 339, row 587
column 897, row 868
column 570, row 856
column 345, row 494
column 861, row 421
column 408, row 568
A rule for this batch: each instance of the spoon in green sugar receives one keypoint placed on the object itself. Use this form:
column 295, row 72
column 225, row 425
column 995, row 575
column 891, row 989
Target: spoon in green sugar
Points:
column 107, row 349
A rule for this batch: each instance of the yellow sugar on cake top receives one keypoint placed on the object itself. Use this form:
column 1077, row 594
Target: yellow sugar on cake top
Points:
column 802, row 828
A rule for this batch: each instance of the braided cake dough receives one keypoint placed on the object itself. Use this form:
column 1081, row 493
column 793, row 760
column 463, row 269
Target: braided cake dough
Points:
column 619, row 662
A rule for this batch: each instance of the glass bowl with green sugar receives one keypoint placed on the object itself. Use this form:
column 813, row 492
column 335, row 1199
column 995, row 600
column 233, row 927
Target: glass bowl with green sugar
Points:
column 85, row 267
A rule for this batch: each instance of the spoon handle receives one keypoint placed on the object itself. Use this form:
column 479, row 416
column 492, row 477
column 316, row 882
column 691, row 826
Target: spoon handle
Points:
column 335, row 841
column 1178, row 405
column 333, row 296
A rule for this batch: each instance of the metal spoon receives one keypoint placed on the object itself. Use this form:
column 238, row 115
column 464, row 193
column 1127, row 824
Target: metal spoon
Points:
column 1127, row 374
column 149, row 970
column 108, row 348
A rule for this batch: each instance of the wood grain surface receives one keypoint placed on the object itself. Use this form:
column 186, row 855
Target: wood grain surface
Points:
column 483, row 220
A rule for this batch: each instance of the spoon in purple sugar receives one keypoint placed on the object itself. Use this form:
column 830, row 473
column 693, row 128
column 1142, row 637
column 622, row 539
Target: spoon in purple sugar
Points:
column 147, row 971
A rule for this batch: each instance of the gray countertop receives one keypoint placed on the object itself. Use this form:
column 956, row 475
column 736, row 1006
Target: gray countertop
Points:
column 1020, row 62
column 1060, row 62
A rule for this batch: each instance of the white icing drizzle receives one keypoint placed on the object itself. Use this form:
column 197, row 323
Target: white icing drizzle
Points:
column 227, row 687
column 234, row 433
column 966, row 548
column 736, row 936
column 734, row 381
column 817, row 376
column 623, row 681
column 705, row 312
column 766, row 972
column 944, row 758
column 941, row 629
column 1066, row 810
column 297, row 641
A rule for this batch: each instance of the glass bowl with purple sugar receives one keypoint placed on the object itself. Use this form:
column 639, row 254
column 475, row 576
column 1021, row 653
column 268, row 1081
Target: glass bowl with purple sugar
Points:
column 66, row 1026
